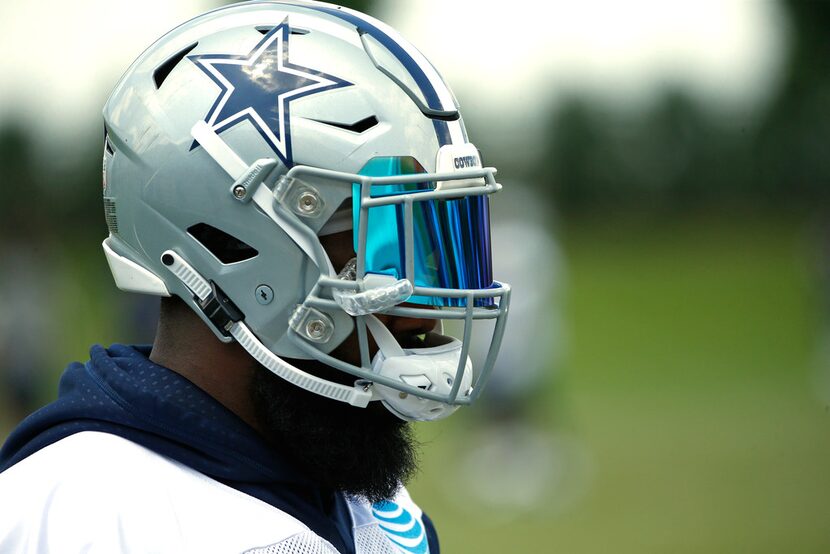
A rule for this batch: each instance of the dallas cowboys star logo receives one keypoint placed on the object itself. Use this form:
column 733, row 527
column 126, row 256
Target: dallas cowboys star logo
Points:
column 259, row 87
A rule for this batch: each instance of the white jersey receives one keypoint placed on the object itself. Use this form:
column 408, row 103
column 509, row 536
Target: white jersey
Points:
column 98, row 493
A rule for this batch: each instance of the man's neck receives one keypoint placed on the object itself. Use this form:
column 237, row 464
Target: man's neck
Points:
column 185, row 345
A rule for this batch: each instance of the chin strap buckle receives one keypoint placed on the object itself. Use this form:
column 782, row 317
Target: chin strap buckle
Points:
column 211, row 300
column 220, row 310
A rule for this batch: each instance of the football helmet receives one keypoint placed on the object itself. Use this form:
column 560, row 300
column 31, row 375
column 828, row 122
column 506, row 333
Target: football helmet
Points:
column 242, row 136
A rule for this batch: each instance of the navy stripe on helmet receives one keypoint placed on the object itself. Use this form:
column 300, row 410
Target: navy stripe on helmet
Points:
column 442, row 130
column 423, row 82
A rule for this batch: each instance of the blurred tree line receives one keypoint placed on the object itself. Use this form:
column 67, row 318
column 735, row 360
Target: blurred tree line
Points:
column 46, row 191
column 676, row 155
column 679, row 155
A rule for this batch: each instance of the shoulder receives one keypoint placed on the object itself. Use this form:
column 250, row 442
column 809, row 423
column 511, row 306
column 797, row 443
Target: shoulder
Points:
column 96, row 492
column 398, row 524
column 404, row 503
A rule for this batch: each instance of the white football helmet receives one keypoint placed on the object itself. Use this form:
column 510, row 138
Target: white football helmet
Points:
column 240, row 137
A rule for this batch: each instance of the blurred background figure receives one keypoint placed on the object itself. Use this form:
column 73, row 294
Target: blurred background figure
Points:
column 26, row 294
column 530, row 259
column 507, row 437
column 665, row 167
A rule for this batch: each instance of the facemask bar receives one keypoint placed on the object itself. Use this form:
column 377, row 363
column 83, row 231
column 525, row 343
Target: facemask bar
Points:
column 468, row 314
column 317, row 298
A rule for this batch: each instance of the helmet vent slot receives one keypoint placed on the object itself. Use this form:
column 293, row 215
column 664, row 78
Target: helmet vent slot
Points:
column 107, row 144
column 226, row 248
column 358, row 127
column 163, row 71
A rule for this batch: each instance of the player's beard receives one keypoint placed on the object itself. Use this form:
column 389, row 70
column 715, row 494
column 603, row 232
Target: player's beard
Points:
column 364, row 452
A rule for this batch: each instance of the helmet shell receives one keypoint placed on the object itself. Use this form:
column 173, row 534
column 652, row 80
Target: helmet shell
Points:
column 159, row 184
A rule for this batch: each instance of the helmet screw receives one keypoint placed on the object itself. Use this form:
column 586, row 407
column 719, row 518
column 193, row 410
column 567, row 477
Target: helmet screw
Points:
column 308, row 202
column 402, row 395
column 264, row 294
column 316, row 328
column 239, row 191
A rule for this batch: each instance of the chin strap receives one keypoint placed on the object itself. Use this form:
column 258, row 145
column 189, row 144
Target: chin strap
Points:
column 387, row 343
column 212, row 302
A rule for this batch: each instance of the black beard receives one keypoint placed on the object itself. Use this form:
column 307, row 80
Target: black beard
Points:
column 363, row 452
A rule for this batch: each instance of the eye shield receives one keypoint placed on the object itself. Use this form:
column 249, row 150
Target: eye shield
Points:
column 413, row 230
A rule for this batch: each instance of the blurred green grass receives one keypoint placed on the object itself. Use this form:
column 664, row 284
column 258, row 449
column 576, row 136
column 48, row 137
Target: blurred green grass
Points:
column 688, row 381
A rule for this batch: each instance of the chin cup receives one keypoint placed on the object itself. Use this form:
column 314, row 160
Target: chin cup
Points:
column 431, row 369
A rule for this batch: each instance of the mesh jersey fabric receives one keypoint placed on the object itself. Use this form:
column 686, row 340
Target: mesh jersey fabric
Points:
column 370, row 538
column 302, row 543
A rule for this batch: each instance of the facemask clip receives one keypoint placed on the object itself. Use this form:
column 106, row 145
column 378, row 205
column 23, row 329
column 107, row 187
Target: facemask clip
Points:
column 243, row 188
column 299, row 197
column 312, row 324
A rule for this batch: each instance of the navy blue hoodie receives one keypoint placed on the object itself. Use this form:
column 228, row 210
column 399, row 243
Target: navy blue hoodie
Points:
column 120, row 391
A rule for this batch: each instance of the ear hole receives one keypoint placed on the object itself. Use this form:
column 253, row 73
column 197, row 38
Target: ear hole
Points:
column 107, row 144
column 226, row 248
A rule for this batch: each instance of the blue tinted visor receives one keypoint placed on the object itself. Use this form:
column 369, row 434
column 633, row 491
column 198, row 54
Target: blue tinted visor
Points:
column 450, row 237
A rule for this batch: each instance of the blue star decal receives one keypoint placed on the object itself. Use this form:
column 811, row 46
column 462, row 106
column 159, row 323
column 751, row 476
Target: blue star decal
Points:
column 259, row 87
